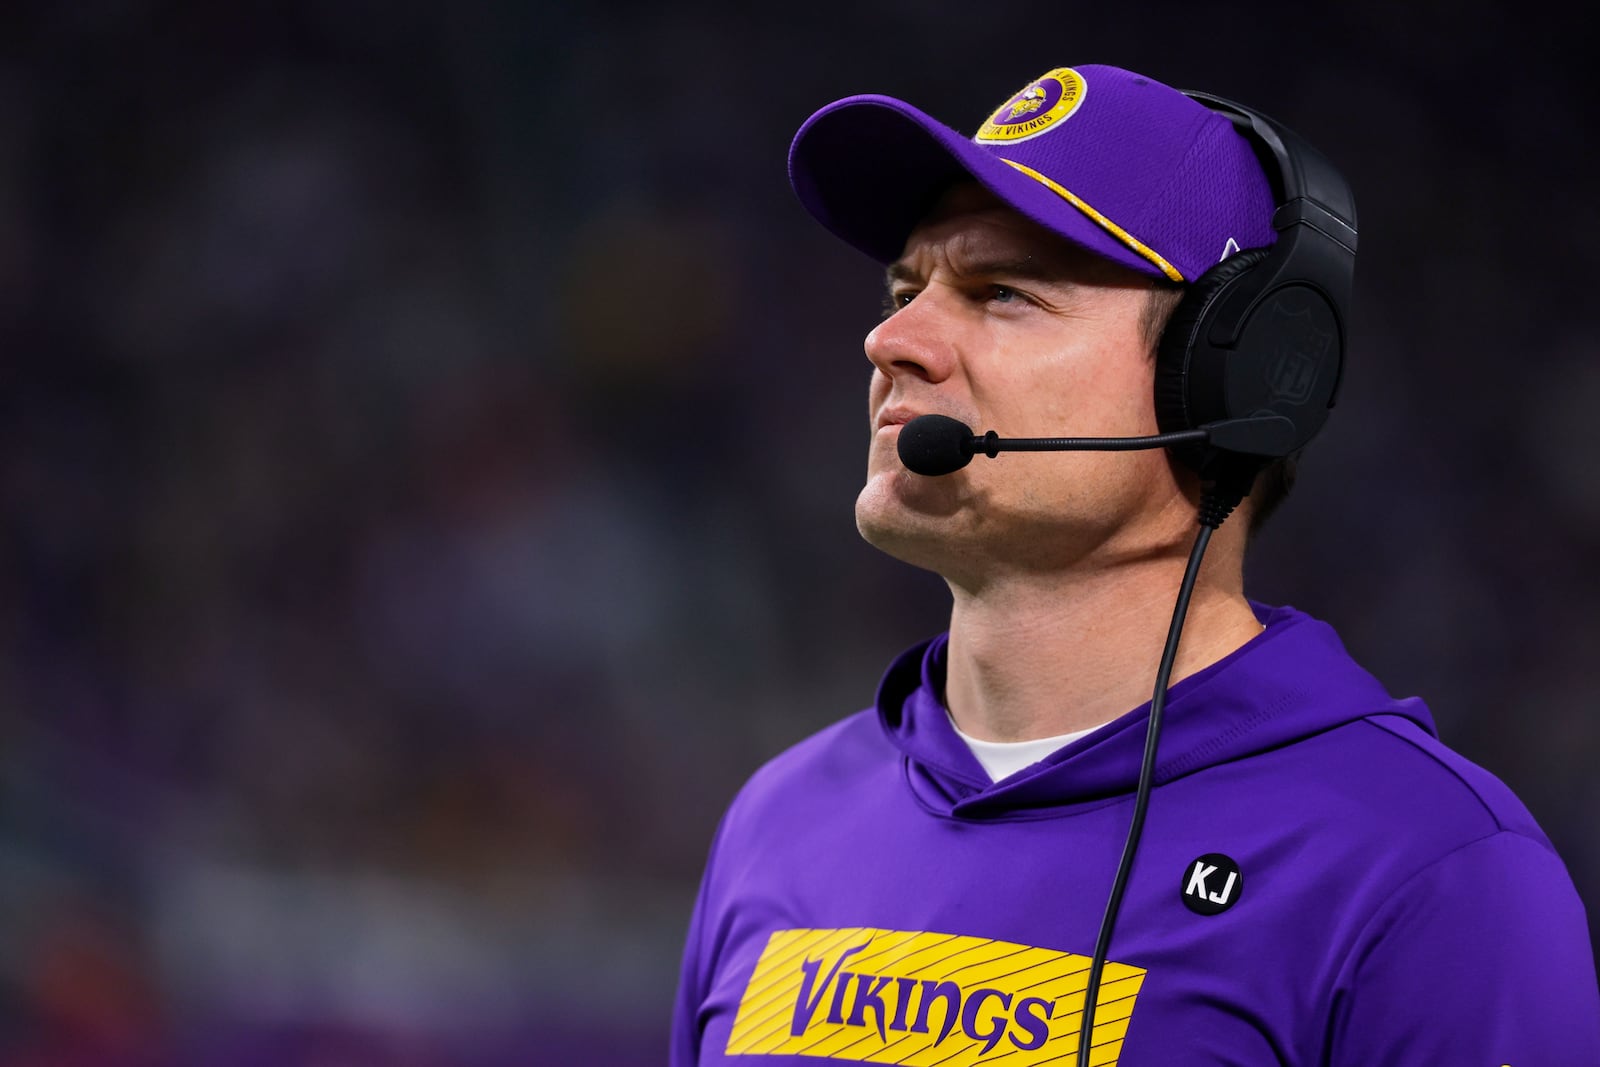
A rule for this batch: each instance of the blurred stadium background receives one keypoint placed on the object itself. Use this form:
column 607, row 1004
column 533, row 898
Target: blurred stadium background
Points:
column 427, row 441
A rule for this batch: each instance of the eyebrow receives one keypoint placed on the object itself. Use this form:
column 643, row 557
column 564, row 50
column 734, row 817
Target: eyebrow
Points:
column 1027, row 268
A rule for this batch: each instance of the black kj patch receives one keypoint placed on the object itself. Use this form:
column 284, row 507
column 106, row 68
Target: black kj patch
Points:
column 1212, row 884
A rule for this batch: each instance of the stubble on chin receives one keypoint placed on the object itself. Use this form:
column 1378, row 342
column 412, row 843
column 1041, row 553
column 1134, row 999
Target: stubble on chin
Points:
column 908, row 516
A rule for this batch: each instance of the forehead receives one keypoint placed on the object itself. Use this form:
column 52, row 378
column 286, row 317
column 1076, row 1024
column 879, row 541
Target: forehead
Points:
column 970, row 227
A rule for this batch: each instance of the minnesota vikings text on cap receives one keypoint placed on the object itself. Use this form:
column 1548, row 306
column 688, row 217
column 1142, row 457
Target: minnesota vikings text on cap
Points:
column 1035, row 109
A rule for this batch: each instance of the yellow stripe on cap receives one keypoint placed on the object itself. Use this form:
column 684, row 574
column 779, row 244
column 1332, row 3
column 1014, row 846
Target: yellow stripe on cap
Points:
column 1110, row 227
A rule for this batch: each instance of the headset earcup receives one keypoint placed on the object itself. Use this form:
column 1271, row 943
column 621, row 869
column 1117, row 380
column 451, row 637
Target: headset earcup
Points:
column 1178, row 407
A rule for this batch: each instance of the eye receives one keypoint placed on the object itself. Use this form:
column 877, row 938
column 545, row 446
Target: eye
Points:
column 1004, row 294
column 894, row 301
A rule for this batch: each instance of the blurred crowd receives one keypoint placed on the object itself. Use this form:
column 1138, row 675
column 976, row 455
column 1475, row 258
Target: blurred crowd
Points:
column 427, row 441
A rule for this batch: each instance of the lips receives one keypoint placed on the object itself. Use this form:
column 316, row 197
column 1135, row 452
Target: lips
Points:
column 895, row 416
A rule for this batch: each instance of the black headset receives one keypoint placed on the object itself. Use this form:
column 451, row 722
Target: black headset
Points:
column 1263, row 332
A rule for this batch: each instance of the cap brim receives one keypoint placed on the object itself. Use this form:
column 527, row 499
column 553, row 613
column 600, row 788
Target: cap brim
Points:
column 870, row 168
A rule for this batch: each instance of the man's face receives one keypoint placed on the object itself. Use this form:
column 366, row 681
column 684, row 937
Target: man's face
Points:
column 1001, row 324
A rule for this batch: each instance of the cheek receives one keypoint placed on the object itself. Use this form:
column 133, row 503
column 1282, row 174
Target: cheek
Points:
column 1106, row 391
column 878, row 386
column 1080, row 400
column 1130, row 390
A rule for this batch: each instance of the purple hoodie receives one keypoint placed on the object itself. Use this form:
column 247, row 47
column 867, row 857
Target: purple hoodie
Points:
column 1320, row 881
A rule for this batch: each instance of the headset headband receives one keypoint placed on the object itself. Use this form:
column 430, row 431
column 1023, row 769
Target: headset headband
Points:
column 1264, row 331
column 1310, row 190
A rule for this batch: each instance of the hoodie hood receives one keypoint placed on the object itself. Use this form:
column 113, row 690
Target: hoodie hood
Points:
column 1293, row 680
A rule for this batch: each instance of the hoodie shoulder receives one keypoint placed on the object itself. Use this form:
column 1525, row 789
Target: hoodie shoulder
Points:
column 1457, row 781
column 835, row 751
column 829, row 760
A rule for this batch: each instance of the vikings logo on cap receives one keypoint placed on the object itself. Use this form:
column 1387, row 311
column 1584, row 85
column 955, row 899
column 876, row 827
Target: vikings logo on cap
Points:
column 1035, row 109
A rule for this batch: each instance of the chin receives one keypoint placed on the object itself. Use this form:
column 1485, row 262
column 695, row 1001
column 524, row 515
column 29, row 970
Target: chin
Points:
column 910, row 518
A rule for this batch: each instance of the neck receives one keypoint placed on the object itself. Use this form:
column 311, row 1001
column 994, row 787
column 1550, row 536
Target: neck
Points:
column 1036, row 657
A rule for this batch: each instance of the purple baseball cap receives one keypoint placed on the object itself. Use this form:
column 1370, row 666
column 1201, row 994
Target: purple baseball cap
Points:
column 1130, row 169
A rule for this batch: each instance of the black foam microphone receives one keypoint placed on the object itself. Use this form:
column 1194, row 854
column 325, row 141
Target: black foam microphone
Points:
column 934, row 445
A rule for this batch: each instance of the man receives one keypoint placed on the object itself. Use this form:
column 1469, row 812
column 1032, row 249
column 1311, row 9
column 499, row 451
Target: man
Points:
column 1319, row 880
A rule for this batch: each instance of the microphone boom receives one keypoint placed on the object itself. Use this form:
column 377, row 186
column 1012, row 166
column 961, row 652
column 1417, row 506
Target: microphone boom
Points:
column 936, row 445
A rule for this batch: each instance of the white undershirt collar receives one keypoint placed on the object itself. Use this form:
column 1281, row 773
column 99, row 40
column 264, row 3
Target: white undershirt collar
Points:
column 1002, row 759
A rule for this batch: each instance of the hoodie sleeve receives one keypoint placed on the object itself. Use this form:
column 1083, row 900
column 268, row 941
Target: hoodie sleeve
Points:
column 1481, row 958
column 694, row 976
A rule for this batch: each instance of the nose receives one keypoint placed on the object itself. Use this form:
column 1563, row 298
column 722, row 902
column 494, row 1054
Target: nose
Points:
column 915, row 341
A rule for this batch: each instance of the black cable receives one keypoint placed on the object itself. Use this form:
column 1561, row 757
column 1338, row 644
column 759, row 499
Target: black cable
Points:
column 1209, row 520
